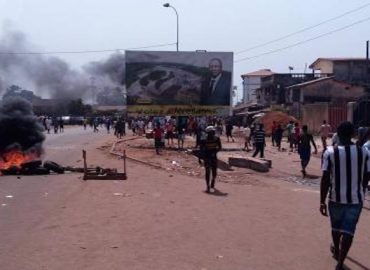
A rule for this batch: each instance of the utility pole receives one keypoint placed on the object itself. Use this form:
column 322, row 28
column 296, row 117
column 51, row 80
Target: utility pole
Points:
column 367, row 59
column 367, row 80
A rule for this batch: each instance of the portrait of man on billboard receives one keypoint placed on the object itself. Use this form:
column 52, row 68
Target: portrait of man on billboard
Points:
column 216, row 86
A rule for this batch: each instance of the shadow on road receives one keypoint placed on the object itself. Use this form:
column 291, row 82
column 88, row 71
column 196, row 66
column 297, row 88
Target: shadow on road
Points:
column 217, row 193
column 363, row 267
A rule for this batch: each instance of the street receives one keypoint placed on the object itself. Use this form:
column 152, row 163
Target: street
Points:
column 158, row 219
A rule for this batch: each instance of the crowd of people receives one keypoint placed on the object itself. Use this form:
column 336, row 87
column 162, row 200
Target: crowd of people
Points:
column 345, row 164
column 52, row 123
column 346, row 173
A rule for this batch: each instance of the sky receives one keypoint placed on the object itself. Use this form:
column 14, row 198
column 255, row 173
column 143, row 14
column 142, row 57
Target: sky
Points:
column 223, row 25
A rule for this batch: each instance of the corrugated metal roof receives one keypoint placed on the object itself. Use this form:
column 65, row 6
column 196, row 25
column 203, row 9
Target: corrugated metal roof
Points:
column 310, row 82
column 259, row 73
column 334, row 59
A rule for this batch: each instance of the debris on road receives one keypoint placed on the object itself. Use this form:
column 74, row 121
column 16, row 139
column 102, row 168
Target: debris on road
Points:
column 122, row 194
column 175, row 163
column 103, row 174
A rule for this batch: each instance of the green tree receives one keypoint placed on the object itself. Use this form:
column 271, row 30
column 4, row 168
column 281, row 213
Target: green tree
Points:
column 78, row 108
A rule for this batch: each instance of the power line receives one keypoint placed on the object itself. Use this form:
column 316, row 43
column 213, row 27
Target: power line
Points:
column 304, row 41
column 303, row 29
column 86, row 51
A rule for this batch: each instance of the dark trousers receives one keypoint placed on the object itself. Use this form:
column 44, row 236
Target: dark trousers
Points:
column 210, row 165
column 278, row 141
column 324, row 144
column 260, row 148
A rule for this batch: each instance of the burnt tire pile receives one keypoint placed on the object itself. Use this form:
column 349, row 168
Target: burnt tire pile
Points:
column 35, row 167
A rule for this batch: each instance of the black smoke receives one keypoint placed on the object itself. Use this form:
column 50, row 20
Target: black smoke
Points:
column 46, row 75
column 113, row 68
column 19, row 127
column 107, row 78
column 52, row 77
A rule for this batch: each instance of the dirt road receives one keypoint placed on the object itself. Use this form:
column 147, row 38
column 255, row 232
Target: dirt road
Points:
column 160, row 220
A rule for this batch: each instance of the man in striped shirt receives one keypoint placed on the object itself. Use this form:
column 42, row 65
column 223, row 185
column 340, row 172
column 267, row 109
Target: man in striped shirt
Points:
column 345, row 177
column 259, row 140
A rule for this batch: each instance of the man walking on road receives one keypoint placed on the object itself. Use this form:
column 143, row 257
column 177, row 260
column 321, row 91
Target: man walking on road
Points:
column 279, row 136
column 209, row 148
column 346, row 171
column 273, row 132
column 158, row 136
column 290, row 128
column 247, row 138
column 48, row 123
column 324, row 133
column 229, row 131
column 304, row 148
column 259, row 140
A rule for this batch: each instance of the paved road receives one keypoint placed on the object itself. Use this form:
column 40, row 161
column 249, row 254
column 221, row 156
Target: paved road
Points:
column 29, row 203
column 159, row 220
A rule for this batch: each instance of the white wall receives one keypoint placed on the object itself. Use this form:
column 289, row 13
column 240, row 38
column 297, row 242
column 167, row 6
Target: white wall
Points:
column 250, row 84
column 325, row 66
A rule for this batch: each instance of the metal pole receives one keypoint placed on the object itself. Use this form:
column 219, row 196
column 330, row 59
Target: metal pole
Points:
column 177, row 28
column 367, row 81
column 367, row 58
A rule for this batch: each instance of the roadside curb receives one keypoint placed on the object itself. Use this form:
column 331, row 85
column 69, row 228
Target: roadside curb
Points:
column 112, row 152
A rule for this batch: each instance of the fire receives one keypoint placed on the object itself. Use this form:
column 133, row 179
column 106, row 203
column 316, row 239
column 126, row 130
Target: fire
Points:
column 15, row 158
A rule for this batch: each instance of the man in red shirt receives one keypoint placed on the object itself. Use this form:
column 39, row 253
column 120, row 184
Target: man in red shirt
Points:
column 158, row 135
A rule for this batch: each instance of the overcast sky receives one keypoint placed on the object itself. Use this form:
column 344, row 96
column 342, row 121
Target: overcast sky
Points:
column 232, row 25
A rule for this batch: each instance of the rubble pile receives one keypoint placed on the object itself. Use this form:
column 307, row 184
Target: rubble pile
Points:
column 277, row 116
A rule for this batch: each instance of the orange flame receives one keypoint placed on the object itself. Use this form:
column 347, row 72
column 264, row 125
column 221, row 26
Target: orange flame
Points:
column 15, row 158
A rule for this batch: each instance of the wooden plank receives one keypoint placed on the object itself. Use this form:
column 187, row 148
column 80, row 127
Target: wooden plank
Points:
column 105, row 177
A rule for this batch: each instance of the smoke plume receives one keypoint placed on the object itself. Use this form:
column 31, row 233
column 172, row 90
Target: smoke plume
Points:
column 51, row 76
column 19, row 127
column 113, row 68
column 45, row 75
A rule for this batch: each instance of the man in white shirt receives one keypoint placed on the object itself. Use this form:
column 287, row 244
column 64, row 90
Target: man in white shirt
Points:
column 247, row 138
column 346, row 173
column 48, row 124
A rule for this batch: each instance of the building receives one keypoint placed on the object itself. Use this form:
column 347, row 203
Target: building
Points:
column 359, row 111
column 46, row 106
column 350, row 70
column 251, row 82
column 106, row 109
column 327, row 89
column 273, row 87
column 322, row 99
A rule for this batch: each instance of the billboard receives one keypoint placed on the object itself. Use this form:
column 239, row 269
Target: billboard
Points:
column 178, row 83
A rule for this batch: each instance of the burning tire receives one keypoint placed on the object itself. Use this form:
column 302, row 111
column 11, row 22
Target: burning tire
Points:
column 36, row 171
column 53, row 167
column 31, row 165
